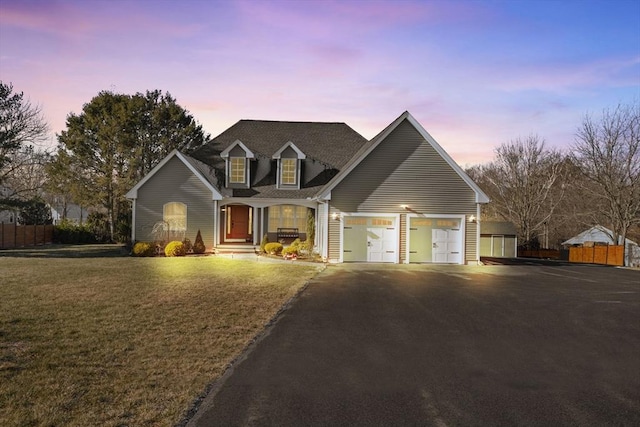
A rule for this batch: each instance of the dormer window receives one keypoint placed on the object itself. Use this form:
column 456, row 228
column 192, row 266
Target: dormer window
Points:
column 289, row 159
column 237, row 157
column 237, row 170
column 288, row 171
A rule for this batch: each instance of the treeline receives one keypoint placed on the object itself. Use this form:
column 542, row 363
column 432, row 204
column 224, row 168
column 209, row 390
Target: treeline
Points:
column 117, row 139
column 101, row 154
column 551, row 195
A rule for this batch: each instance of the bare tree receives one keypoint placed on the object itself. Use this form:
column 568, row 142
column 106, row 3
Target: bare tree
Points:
column 607, row 151
column 525, row 183
column 21, row 125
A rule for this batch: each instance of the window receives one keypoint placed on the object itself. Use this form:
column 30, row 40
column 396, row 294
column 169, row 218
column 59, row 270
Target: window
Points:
column 237, row 172
column 174, row 216
column 288, row 171
column 287, row 216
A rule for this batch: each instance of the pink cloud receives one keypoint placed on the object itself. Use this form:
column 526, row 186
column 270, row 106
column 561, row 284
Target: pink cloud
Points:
column 79, row 19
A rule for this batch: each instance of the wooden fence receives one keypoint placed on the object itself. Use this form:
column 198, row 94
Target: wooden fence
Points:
column 20, row 236
column 607, row 255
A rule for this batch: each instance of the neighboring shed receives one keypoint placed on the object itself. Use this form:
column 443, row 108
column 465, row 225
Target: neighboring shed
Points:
column 599, row 235
column 498, row 239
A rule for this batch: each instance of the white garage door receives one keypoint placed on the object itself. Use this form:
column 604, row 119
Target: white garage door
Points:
column 435, row 239
column 446, row 246
column 370, row 239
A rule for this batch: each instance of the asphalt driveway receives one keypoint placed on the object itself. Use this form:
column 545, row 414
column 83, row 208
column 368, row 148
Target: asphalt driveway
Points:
column 443, row 346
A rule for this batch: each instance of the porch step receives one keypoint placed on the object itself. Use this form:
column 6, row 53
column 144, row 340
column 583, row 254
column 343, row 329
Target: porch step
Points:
column 236, row 249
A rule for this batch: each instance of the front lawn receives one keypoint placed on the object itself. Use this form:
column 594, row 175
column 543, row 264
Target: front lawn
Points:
column 120, row 341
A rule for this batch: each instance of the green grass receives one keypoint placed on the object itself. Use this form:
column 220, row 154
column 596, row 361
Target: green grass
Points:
column 113, row 341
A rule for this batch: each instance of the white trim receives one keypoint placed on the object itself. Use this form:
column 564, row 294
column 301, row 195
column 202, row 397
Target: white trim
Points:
column 369, row 214
column 296, row 184
column 463, row 231
column 133, row 221
column 133, row 193
column 478, row 236
column 325, row 230
column 300, row 154
column 226, row 151
column 216, row 224
column 254, row 223
column 229, row 166
column 481, row 197
column 265, row 203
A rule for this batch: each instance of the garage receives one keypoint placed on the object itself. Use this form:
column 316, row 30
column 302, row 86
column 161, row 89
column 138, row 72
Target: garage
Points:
column 370, row 238
column 498, row 239
column 436, row 239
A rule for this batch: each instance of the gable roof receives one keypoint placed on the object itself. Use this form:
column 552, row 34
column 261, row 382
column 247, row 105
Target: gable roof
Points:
column 199, row 169
column 332, row 144
column 481, row 197
column 597, row 233
column 498, row 227
column 226, row 151
column 299, row 153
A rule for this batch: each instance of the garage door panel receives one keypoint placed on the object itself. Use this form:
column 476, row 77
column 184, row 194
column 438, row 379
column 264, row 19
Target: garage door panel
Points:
column 436, row 240
column 370, row 239
column 355, row 243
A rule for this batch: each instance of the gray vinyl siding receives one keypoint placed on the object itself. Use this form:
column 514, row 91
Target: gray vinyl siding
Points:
column 174, row 182
column 406, row 169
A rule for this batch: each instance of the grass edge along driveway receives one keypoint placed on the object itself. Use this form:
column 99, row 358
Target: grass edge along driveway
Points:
column 126, row 341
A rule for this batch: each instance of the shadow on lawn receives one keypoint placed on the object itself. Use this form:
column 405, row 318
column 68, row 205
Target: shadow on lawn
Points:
column 67, row 251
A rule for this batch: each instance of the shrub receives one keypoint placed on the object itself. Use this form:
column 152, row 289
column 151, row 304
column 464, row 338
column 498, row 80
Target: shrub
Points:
column 306, row 247
column 265, row 240
column 273, row 248
column 198, row 246
column 290, row 251
column 174, row 248
column 187, row 245
column 296, row 243
column 69, row 232
column 143, row 249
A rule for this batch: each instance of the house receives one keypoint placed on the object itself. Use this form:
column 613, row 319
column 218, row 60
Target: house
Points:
column 397, row 198
column 498, row 239
column 599, row 235
column 68, row 211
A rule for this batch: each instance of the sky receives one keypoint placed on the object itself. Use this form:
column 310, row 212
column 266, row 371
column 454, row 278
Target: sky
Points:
column 474, row 73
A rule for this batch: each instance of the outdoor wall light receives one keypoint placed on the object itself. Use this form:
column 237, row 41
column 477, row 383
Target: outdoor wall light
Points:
column 405, row 207
column 472, row 218
column 335, row 216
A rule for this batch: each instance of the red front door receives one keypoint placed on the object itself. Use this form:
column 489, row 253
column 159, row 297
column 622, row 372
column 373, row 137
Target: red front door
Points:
column 238, row 222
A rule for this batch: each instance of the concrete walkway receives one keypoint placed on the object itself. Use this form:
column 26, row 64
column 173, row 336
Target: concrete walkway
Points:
column 444, row 345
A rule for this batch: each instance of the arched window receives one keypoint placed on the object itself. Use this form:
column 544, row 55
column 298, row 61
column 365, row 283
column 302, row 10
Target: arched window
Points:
column 175, row 216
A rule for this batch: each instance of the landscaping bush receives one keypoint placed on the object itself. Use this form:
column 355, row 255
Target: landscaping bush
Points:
column 290, row 251
column 187, row 245
column 143, row 249
column 69, row 232
column 265, row 240
column 273, row 248
column 174, row 248
column 198, row 246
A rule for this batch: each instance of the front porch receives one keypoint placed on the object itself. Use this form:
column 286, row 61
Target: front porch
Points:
column 242, row 226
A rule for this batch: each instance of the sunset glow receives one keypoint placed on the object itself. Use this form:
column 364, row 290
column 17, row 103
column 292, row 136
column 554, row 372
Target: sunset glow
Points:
column 474, row 73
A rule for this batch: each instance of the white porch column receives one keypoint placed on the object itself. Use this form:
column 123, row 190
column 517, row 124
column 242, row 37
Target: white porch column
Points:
column 256, row 231
column 216, row 224
column 325, row 230
column 133, row 220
